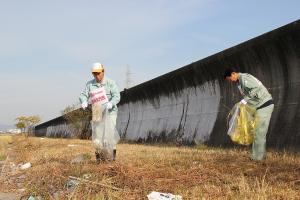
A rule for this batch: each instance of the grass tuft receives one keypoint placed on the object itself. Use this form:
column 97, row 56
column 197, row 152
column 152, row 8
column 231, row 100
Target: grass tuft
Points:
column 5, row 140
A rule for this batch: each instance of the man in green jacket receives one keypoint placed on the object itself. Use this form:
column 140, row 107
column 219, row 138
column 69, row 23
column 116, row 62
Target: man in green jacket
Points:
column 256, row 95
column 109, row 100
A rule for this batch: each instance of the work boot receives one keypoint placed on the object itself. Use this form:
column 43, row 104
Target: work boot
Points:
column 98, row 158
column 114, row 154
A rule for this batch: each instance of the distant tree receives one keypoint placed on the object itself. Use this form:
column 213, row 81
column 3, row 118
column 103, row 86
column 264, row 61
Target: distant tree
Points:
column 27, row 123
column 22, row 121
column 78, row 120
column 32, row 121
column 20, row 125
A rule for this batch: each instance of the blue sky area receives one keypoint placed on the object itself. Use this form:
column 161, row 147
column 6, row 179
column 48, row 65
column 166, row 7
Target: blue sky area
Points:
column 48, row 47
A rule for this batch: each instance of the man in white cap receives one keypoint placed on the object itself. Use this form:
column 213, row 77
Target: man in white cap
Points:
column 109, row 100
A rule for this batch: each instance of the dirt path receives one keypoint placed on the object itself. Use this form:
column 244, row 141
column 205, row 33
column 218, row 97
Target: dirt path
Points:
column 8, row 196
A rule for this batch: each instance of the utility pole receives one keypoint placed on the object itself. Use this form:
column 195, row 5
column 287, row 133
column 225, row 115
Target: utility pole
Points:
column 128, row 80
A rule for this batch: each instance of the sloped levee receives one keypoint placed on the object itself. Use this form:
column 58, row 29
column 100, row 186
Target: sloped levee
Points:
column 57, row 127
column 191, row 104
column 185, row 116
column 60, row 126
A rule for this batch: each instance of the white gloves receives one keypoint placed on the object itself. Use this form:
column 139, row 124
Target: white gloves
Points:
column 243, row 101
column 84, row 105
column 109, row 106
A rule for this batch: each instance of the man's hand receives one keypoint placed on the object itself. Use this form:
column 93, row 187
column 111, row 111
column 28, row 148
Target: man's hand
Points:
column 109, row 106
column 243, row 101
column 84, row 105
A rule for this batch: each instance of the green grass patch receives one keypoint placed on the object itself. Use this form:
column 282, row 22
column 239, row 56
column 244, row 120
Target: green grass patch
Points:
column 2, row 157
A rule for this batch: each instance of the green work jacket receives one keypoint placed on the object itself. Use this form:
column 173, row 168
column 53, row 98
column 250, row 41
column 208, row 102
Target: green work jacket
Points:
column 111, row 89
column 253, row 91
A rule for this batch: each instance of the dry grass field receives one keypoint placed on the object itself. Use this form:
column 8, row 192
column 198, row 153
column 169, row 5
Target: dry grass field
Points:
column 192, row 172
column 5, row 140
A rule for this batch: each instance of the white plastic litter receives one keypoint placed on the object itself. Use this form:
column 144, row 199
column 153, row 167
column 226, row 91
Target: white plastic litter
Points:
column 96, row 142
column 72, row 145
column 31, row 198
column 25, row 166
column 163, row 196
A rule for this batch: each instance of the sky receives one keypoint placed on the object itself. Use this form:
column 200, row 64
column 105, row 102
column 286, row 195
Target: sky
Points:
column 47, row 47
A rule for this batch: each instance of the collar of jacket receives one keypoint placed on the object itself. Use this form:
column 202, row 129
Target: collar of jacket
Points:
column 103, row 82
column 240, row 78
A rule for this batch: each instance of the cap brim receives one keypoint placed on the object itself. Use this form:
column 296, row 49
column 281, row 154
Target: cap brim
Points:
column 97, row 70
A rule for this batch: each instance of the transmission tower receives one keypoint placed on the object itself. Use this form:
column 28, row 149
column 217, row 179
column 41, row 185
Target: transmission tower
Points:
column 128, row 80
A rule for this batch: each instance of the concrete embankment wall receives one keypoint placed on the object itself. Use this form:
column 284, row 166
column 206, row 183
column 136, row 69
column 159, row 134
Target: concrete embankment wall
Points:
column 57, row 127
column 191, row 104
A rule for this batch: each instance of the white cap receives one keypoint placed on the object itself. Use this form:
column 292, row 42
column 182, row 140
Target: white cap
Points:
column 97, row 67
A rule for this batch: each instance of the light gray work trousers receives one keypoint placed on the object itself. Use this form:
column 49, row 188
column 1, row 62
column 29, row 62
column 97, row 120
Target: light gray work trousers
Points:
column 262, row 120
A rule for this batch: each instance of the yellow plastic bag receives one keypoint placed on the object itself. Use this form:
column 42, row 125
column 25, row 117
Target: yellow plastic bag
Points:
column 241, row 124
